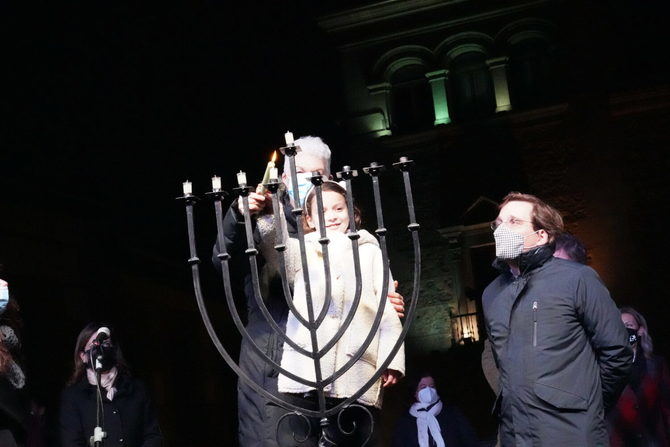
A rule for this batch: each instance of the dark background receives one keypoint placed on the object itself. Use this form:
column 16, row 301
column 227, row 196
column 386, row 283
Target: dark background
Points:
column 108, row 107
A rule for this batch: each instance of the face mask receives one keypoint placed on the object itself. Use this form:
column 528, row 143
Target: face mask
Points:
column 107, row 356
column 4, row 295
column 509, row 244
column 304, row 186
column 427, row 395
column 632, row 335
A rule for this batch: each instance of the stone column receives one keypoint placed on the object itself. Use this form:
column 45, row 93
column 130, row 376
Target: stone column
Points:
column 438, row 85
column 381, row 96
column 498, row 68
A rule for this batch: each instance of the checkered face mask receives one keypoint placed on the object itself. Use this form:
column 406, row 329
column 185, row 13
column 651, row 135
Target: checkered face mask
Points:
column 509, row 244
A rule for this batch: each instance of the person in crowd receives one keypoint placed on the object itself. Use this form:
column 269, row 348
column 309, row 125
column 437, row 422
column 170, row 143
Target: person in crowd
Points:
column 557, row 336
column 568, row 246
column 431, row 422
column 14, row 404
column 343, row 287
column 641, row 417
column 258, row 416
column 128, row 415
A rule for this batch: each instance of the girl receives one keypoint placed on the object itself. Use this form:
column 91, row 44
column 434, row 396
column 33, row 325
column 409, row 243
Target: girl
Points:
column 343, row 286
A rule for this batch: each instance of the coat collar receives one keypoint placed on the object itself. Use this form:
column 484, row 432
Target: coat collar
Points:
column 529, row 260
column 123, row 385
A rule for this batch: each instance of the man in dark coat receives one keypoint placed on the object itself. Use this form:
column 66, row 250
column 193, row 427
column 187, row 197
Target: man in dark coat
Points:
column 557, row 336
column 258, row 417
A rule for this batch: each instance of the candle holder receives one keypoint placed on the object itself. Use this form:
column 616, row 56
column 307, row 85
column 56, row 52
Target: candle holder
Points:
column 313, row 320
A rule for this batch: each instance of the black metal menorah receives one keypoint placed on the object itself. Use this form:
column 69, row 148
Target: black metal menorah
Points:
column 313, row 320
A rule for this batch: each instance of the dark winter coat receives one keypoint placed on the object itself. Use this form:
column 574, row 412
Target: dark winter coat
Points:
column 561, row 348
column 641, row 417
column 455, row 427
column 130, row 420
column 256, row 416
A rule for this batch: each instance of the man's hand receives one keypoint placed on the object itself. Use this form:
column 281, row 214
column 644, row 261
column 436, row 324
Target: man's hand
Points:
column 390, row 377
column 397, row 301
column 257, row 201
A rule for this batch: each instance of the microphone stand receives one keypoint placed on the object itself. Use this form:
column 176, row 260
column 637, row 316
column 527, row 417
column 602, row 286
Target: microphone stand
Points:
column 98, row 433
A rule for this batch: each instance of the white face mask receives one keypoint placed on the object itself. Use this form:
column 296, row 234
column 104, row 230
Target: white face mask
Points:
column 509, row 244
column 427, row 395
column 4, row 295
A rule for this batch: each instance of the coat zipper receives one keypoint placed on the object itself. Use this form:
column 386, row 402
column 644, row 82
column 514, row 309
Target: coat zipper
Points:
column 534, row 323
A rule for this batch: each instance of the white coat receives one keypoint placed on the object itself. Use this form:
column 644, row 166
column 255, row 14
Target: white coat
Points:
column 342, row 291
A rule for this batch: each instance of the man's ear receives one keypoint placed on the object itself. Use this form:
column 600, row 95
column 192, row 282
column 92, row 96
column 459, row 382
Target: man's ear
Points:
column 544, row 236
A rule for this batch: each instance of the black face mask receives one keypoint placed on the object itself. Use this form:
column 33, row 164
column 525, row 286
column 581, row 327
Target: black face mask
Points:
column 106, row 355
column 632, row 335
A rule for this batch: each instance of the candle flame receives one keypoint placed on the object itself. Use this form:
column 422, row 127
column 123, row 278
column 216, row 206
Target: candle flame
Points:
column 274, row 156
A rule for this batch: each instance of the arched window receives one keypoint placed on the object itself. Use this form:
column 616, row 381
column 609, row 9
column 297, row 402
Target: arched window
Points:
column 531, row 72
column 411, row 99
column 471, row 94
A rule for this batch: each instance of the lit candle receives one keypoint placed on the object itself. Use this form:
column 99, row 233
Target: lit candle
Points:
column 187, row 187
column 271, row 165
column 216, row 183
column 241, row 178
column 288, row 136
column 274, row 174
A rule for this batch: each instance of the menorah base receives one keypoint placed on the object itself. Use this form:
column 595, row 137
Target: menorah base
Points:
column 353, row 426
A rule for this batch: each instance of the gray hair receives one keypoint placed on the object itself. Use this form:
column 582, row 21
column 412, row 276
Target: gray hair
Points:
column 315, row 147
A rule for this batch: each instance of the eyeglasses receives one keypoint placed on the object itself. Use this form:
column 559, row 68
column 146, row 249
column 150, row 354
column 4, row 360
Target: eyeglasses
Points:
column 513, row 221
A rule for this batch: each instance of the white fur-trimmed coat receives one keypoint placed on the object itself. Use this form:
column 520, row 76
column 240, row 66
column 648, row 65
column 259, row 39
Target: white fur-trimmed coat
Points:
column 343, row 287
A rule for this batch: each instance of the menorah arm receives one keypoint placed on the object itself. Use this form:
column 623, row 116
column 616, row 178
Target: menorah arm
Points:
column 234, row 240
column 195, row 272
column 411, row 313
column 382, row 303
column 232, row 364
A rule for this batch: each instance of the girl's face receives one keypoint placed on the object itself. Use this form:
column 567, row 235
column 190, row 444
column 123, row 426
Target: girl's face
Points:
column 335, row 212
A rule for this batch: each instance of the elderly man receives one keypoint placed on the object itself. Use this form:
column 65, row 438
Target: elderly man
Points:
column 557, row 336
column 257, row 416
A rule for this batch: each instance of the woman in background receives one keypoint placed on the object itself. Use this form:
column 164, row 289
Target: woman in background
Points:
column 129, row 418
column 430, row 422
column 641, row 417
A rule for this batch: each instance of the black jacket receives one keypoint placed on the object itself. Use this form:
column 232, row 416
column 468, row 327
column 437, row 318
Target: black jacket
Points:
column 456, row 430
column 256, row 325
column 562, row 351
column 257, row 419
column 130, row 420
column 13, row 409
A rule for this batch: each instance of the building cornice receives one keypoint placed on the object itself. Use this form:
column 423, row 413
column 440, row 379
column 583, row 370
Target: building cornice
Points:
column 359, row 18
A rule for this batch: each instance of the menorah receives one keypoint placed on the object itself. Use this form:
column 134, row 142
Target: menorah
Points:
column 313, row 320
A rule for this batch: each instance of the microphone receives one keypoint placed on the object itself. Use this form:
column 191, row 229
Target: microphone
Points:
column 102, row 335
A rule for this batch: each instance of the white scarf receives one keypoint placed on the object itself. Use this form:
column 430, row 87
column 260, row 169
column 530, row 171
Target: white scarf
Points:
column 106, row 380
column 426, row 420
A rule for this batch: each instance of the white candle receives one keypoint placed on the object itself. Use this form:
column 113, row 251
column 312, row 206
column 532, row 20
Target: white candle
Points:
column 187, row 187
column 241, row 178
column 288, row 136
column 216, row 183
column 274, row 174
